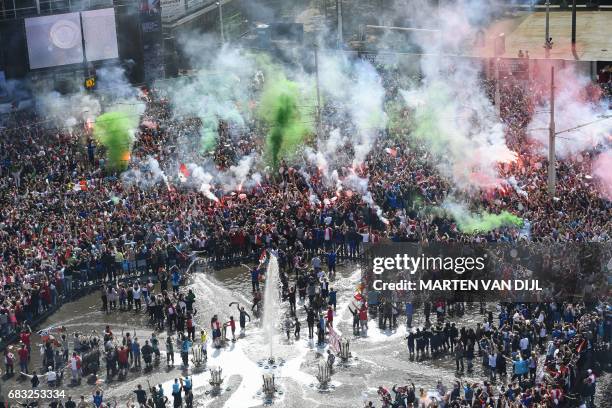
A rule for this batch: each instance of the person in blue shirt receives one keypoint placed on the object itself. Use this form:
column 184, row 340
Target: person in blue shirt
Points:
column 255, row 279
column 185, row 347
column 176, row 392
column 510, row 393
column 97, row 397
column 321, row 330
column 332, row 296
column 136, row 352
column 409, row 314
column 468, row 393
column 503, row 317
column 520, row 369
column 331, row 263
column 187, row 384
column 176, row 280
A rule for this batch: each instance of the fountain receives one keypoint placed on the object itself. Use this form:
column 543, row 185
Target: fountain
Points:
column 324, row 375
column 271, row 305
column 215, row 380
column 345, row 352
column 268, row 385
column 197, row 358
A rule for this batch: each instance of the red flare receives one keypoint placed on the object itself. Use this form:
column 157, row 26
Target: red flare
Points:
column 183, row 169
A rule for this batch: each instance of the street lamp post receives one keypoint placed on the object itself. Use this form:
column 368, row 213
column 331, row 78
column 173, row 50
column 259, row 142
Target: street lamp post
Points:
column 339, row 16
column 547, row 35
column 221, row 20
column 316, row 55
column 573, row 22
column 552, row 176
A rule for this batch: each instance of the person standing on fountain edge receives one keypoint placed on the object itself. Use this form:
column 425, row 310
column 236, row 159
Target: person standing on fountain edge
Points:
column 232, row 325
column 242, row 319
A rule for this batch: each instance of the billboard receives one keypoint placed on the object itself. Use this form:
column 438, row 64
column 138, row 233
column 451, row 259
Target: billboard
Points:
column 100, row 33
column 152, row 45
column 54, row 40
column 172, row 9
column 191, row 4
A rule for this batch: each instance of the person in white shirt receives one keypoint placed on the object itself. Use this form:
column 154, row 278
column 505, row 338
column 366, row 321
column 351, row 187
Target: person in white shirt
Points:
column 51, row 377
column 137, row 294
column 74, row 367
column 182, row 305
column 316, row 263
column 524, row 344
column 145, row 292
column 492, row 364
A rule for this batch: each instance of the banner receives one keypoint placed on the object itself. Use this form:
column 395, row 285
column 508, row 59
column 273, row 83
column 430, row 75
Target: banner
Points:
column 172, row 10
column 54, row 40
column 334, row 340
column 152, row 42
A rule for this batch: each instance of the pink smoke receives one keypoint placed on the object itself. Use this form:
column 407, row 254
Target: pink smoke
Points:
column 578, row 105
column 602, row 170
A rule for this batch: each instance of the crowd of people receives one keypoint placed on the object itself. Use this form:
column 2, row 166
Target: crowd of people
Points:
column 67, row 226
column 532, row 355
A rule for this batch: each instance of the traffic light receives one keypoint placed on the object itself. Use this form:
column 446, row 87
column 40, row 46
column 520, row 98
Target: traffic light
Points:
column 90, row 83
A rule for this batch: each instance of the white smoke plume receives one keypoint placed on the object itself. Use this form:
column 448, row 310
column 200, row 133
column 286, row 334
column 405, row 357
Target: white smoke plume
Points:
column 145, row 174
column 451, row 115
column 356, row 88
column 112, row 90
column 219, row 89
column 324, row 156
column 360, row 185
column 203, row 181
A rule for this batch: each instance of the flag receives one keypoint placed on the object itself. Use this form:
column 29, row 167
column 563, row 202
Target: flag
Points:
column 262, row 258
column 334, row 340
column 581, row 346
column 391, row 151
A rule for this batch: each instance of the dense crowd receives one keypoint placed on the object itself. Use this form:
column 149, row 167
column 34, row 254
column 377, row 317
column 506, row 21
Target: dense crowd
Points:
column 68, row 224
column 534, row 355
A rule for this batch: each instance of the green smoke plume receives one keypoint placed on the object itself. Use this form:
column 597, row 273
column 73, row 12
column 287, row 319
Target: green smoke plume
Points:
column 289, row 125
column 485, row 222
column 398, row 123
column 114, row 131
column 427, row 120
column 482, row 222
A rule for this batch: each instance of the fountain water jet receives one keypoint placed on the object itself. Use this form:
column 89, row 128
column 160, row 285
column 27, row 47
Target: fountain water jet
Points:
column 324, row 375
column 268, row 385
column 215, row 380
column 272, row 300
